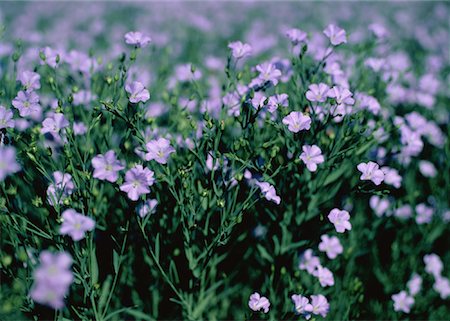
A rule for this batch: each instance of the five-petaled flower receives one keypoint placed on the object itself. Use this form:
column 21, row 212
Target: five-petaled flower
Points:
column 311, row 156
column 331, row 246
column 258, row 302
column 76, row 224
column 27, row 103
column 137, row 92
column 402, row 302
column 317, row 92
column 137, row 38
column 137, row 182
column 240, row 50
column 335, row 34
column 107, row 167
column 371, row 172
column 340, row 219
column 296, row 121
column 269, row 192
column 159, row 150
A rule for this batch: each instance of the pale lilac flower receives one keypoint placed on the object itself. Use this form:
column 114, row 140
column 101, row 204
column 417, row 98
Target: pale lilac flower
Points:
column 411, row 140
column 376, row 64
column 159, row 150
column 277, row 100
column 312, row 156
column 433, row 264
column 317, row 92
column 320, row 305
column 54, row 124
column 258, row 302
column 371, row 171
column 80, row 61
column 79, row 128
column 76, row 224
column 61, row 188
column 335, row 34
column 324, row 275
column 147, row 208
column 402, row 302
column 51, row 57
column 343, row 96
column 186, row 72
column 442, row 286
column 379, row 205
column 404, row 211
column 424, row 214
column 52, row 279
column 8, row 162
column 426, row 168
column 302, row 306
column 30, row 80
column 340, row 219
column 259, row 100
column 268, row 72
column 107, row 167
column 6, row 118
column 240, row 50
column 391, row 176
column 137, row 38
column 414, row 284
column 137, row 92
column 211, row 163
column 296, row 36
column 331, row 246
column 137, row 182
column 308, row 261
column 379, row 30
column 27, row 103
column 296, row 121
column 269, row 192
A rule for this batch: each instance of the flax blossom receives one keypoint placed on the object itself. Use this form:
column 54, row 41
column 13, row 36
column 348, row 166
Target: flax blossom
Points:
column 296, row 121
column 371, row 171
column 312, row 156
column 258, row 303
column 137, row 182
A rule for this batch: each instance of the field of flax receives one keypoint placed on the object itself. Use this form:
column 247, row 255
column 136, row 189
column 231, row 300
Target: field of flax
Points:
column 224, row 161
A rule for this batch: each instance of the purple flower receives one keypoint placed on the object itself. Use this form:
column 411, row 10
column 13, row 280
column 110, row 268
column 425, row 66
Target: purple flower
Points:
column 296, row 36
column 258, row 302
column 137, row 39
column 147, row 208
column 50, row 57
column 6, row 118
column 402, row 302
column 433, row 264
column 320, row 305
column 296, row 121
column 268, row 72
column 340, row 219
column 311, row 156
column 301, row 305
column 27, row 103
column 442, row 286
column 159, row 150
column 391, row 176
column 277, row 100
column 137, row 182
column 317, row 92
column 8, row 163
column 335, row 34
column 404, row 211
column 54, row 124
column 308, row 261
column 371, row 172
column 379, row 205
column 79, row 129
column 62, row 187
column 331, row 246
column 269, row 192
column 52, row 279
column 106, row 167
column 324, row 275
column 424, row 214
column 343, row 96
column 426, row 168
column 76, row 224
column 414, row 284
column 30, row 80
column 240, row 50
column 137, row 92
column 259, row 100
